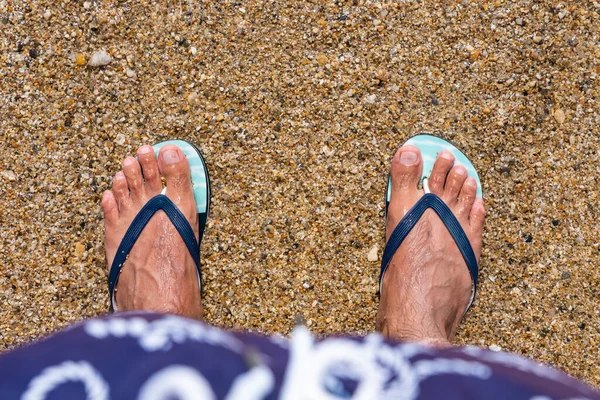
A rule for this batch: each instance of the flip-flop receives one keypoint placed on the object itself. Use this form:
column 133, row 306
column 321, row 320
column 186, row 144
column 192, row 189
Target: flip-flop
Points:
column 201, row 188
column 430, row 146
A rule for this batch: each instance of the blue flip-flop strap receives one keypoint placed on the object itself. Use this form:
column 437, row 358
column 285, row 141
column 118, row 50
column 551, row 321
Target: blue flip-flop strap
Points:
column 157, row 203
column 411, row 218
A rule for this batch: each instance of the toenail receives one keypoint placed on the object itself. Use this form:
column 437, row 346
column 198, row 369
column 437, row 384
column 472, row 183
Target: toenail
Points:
column 471, row 182
column 171, row 156
column 127, row 162
column 145, row 150
column 408, row 158
column 460, row 170
column 446, row 155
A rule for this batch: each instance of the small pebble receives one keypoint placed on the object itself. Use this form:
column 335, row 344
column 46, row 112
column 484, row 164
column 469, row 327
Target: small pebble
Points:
column 495, row 347
column 573, row 41
column 327, row 151
column 559, row 116
column 192, row 98
column 130, row 73
column 80, row 59
column 537, row 39
column 78, row 249
column 120, row 139
column 322, row 59
column 99, row 59
column 382, row 75
column 47, row 14
column 373, row 254
column 193, row 50
column 370, row 99
column 10, row 175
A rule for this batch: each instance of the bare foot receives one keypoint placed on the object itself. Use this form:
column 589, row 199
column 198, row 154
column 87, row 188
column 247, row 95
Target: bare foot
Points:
column 427, row 286
column 160, row 274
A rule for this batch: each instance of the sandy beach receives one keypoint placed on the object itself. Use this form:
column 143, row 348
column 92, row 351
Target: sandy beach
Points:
column 298, row 107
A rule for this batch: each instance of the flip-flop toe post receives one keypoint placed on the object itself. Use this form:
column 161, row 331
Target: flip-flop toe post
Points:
column 430, row 146
column 201, row 188
column 200, row 179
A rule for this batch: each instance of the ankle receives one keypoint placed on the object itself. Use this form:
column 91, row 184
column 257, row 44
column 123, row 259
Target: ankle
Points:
column 439, row 343
column 412, row 335
column 183, row 310
column 401, row 328
column 167, row 306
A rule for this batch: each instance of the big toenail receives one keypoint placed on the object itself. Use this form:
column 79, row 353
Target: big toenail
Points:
column 408, row 158
column 171, row 156
column 446, row 155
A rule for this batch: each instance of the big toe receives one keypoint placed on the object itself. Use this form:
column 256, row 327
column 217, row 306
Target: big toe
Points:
column 175, row 168
column 406, row 169
column 407, row 166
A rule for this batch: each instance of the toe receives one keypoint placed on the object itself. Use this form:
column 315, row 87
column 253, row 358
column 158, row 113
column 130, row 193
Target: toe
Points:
column 454, row 182
column 121, row 191
column 176, row 170
column 466, row 198
column 133, row 175
column 441, row 167
column 477, row 217
column 406, row 169
column 109, row 208
column 149, row 169
column 111, row 219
